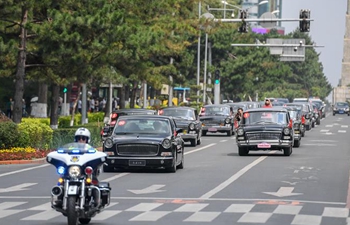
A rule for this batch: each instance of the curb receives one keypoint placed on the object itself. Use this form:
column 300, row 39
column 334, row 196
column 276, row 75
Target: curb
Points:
column 33, row 161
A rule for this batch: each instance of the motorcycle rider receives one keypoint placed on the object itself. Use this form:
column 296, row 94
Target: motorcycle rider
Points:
column 83, row 135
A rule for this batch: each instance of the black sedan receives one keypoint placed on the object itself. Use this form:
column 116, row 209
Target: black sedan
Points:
column 299, row 128
column 217, row 119
column 187, row 119
column 109, row 125
column 265, row 129
column 144, row 141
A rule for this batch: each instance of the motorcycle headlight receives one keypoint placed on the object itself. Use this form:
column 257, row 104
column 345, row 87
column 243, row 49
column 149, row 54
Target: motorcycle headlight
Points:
column 74, row 171
column 166, row 143
column 191, row 126
column 286, row 131
column 240, row 131
column 227, row 120
column 108, row 143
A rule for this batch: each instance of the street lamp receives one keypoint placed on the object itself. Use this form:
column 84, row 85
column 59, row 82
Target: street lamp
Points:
column 207, row 16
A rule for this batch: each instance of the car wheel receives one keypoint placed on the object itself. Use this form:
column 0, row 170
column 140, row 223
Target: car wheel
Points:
column 313, row 124
column 108, row 169
column 333, row 114
column 296, row 143
column 181, row 165
column 287, row 151
column 204, row 133
column 318, row 122
column 303, row 134
column 194, row 142
column 242, row 151
column 199, row 141
column 229, row 133
column 172, row 169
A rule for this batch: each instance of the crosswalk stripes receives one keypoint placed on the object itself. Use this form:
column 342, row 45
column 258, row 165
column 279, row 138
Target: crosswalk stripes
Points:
column 198, row 212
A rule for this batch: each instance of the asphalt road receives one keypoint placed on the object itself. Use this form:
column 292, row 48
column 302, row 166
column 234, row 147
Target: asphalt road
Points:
column 216, row 186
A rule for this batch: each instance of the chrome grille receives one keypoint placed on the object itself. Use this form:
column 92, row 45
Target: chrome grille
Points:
column 137, row 149
column 263, row 136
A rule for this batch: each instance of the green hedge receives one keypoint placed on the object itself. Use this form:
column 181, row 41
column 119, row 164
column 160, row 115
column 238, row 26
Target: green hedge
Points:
column 64, row 121
column 36, row 133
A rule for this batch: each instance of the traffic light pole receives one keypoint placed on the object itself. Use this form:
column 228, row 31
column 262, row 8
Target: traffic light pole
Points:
column 65, row 104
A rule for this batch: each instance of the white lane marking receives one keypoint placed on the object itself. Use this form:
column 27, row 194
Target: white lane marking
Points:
column 324, row 130
column 200, row 149
column 23, row 170
column 191, row 207
column 115, row 177
column 341, row 131
column 223, row 140
column 329, row 125
column 335, row 212
column 202, row 217
column 233, row 178
column 344, row 126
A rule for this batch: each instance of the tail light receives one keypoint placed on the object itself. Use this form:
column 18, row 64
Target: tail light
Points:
column 114, row 116
column 160, row 112
column 303, row 119
column 88, row 170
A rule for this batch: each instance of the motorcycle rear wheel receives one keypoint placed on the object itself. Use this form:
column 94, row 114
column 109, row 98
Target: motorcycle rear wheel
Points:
column 72, row 216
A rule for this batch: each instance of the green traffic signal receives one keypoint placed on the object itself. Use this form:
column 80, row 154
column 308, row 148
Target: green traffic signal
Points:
column 217, row 81
column 65, row 90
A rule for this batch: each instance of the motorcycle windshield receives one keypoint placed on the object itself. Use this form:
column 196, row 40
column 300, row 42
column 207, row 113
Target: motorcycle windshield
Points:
column 76, row 148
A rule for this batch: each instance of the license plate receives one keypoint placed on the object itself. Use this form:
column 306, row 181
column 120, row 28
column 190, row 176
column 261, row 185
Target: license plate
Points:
column 192, row 132
column 72, row 190
column 212, row 129
column 264, row 145
column 341, row 111
column 137, row 162
column 297, row 132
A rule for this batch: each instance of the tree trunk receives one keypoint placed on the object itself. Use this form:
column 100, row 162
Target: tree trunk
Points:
column 42, row 93
column 55, row 89
column 122, row 97
column 133, row 95
column 75, row 106
column 21, row 63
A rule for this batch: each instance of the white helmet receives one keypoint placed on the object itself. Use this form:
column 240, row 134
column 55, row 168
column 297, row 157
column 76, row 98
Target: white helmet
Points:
column 82, row 132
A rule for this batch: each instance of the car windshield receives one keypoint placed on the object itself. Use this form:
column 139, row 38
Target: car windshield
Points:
column 293, row 114
column 268, row 117
column 142, row 126
column 218, row 111
column 342, row 104
column 180, row 113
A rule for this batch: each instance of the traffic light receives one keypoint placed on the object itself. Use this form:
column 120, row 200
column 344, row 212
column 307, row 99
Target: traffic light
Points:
column 65, row 90
column 304, row 25
column 217, row 76
column 243, row 28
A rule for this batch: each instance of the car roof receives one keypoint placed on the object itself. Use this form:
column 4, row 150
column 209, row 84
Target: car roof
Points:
column 178, row 107
column 134, row 110
column 273, row 109
column 160, row 117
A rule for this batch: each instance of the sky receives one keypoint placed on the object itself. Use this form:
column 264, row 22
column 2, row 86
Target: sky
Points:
column 327, row 29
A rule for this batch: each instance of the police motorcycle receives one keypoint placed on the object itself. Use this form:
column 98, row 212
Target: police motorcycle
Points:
column 78, row 195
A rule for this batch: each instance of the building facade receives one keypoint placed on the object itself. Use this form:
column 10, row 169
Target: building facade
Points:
column 342, row 92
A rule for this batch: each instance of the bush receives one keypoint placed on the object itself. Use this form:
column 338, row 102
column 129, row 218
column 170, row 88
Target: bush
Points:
column 34, row 133
column 8, row 134
column 22, row 153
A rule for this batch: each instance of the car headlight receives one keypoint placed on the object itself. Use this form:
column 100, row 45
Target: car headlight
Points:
column 166, row 143
column 240, row 131
column 227, row 120
column 286, row 131
column 74, row 171
column 191, row 126
column 108, row 143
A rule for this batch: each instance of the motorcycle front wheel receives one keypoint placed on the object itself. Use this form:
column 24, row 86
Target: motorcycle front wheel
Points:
column 84, row 220
column 71, row 214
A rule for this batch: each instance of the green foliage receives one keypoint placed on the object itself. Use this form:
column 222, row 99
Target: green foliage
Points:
column 35, row 134
column 8, row 135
